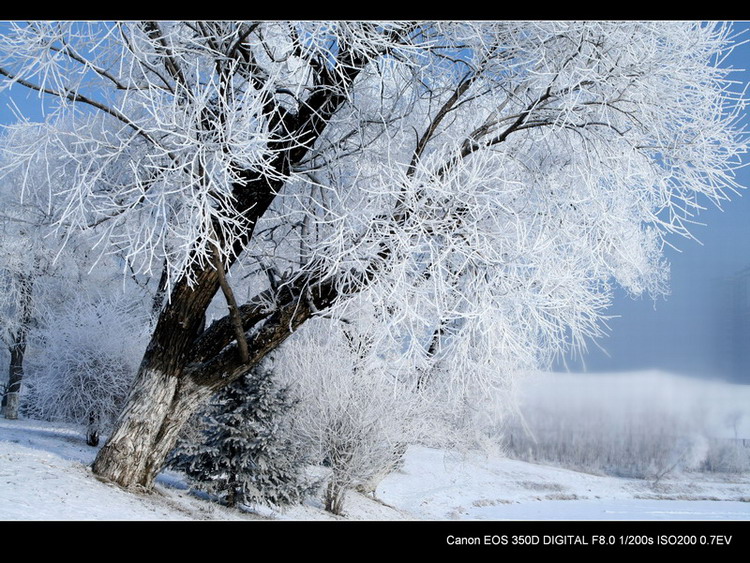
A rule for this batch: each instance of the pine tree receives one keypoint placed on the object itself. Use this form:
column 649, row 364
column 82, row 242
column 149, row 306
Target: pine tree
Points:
column 243, row 453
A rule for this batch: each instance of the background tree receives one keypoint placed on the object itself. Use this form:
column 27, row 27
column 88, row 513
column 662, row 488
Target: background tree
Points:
column 87, row 353
column 27, row 252
column 20, row 286
column 482, row 184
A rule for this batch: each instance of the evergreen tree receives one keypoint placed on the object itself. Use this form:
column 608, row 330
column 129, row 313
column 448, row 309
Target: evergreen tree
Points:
column 243, row 453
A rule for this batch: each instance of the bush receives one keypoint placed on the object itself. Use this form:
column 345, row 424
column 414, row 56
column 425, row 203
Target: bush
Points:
column 354, row 413
column 86, row 356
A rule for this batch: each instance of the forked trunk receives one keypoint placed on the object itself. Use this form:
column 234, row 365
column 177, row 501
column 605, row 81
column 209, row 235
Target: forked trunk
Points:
column 161, row 398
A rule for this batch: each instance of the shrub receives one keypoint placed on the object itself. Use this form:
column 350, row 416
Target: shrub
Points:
column 86, row 356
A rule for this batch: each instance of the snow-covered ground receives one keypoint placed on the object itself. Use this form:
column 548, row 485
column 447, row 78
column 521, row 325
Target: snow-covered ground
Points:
column 44, row 475
column 437, row 485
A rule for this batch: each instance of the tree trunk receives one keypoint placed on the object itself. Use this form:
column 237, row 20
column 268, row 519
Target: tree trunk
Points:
column 18, row 348
column 92, row 430
column 335, row 496
column 14, row 381
column 159, row 405
column 161, row 400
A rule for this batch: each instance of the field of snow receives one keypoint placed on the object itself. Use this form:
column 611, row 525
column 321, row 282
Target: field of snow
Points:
column 45, row 475
column 436, row 485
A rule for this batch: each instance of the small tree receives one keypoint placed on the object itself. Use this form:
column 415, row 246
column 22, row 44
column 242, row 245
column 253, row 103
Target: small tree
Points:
column 88, row 353
column 244, row 453
column 16, row 338
column 357, row 412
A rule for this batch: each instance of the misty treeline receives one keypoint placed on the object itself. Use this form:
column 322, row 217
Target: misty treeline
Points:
column 393, row 221
column 644, row 425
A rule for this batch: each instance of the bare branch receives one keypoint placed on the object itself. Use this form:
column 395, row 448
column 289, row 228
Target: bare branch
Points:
column 77, row 97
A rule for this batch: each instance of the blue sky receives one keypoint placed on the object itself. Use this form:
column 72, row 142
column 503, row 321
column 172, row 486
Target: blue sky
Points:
column 682, row 331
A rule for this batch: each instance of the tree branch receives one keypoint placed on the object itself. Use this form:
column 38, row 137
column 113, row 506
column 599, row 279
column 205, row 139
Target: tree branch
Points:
column 76, row 97
column 154, row 32
column 234, row 314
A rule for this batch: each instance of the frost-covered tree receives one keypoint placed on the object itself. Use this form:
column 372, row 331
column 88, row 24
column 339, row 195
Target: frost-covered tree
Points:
column 356, row 413
column 27, row 256
column 245, row 452
column 87, row 355
column 481, row 184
